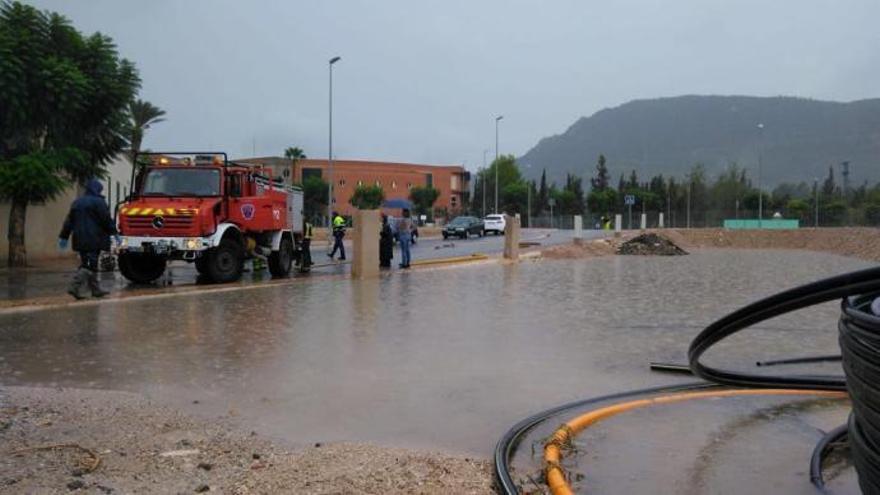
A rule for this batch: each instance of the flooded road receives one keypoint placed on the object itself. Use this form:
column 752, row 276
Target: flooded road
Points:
column 440, row 359
column 53, row 278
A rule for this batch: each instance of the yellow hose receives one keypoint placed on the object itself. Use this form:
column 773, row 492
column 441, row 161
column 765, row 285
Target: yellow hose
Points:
column 555, row 475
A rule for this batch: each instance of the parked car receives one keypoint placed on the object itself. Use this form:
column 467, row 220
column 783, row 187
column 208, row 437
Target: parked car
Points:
column 494, row 223
column 463, row 227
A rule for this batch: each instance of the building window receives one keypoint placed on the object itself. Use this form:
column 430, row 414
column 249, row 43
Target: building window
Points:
column 378, row 183
column 310, row 172
column 360, row 183
column 341, row 182
column 409, row 185
column 394, row 184
column 429, row 180
column 453, row 200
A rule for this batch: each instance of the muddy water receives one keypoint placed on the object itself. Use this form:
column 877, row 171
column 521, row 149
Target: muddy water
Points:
column 444, row 359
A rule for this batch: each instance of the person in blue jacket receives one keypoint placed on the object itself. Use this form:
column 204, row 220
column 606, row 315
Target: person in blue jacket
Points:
column 91, row 225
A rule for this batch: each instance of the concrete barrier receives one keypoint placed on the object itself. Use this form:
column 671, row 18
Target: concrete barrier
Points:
column 578, row 229
column 511, row 238
column 365, row 244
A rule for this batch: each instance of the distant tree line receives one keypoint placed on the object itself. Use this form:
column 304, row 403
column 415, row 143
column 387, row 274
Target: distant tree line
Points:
column 695, row 199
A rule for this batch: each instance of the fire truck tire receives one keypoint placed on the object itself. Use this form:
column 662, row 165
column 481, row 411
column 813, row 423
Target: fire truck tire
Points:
column 141, row 268
column 281, row 260
column 225, row 262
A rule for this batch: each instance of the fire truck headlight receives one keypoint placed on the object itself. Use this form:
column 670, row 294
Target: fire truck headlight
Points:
column 123, row 242
column 192, row 244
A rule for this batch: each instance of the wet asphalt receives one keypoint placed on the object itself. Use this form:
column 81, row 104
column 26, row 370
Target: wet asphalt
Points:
column 447, row 359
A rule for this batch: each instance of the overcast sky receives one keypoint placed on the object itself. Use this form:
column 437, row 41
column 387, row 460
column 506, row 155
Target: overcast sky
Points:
column 422, row 81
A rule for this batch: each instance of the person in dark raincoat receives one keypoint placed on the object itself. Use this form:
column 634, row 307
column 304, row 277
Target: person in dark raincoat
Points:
column 91, row 225
column 386, row 244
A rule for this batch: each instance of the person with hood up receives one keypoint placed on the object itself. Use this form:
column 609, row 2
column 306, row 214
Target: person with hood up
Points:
column 386, row 244
column 90, row 223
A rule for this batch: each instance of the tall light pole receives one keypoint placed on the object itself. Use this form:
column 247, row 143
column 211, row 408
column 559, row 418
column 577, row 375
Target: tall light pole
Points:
column 497, row 120
column 484, row 182
column 816, row 190
column 760, row 191
column 330, row 152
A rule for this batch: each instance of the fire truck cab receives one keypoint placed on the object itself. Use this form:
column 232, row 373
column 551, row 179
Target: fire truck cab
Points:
column 205, row 210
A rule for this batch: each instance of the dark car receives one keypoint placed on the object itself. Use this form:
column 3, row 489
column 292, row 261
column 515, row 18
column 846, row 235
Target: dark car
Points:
column 463, row 227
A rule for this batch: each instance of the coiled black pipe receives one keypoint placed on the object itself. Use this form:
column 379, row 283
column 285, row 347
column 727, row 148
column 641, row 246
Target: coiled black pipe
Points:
column 864, row 435
column 509, row 441
column 823, row 448
column 860, row 348
column 829, row 289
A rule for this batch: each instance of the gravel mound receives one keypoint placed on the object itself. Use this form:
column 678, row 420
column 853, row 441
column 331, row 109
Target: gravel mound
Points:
column 105, row 442
column 650, row 245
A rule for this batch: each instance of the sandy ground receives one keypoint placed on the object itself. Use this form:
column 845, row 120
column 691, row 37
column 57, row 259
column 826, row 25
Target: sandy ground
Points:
column 93, row 441
column 857, row 242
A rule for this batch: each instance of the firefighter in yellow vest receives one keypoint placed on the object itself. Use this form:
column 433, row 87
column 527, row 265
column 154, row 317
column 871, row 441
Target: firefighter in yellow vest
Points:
column 338, row 235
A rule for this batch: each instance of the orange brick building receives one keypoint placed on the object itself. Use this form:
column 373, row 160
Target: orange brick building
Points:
column 396, row 179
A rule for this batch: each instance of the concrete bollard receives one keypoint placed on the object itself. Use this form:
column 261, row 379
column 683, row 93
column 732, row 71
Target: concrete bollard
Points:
column 644, row 221
column 511, row 238
column 365, row 244
column 578, row 229
column 660, row 222
column 618, row 224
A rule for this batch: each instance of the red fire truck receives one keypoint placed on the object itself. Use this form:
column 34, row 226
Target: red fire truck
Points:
column 203, row 209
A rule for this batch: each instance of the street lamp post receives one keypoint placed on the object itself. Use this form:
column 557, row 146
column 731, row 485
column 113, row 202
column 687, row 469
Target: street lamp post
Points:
column 760, row 192
column 497, row 120
column 484, row 182
column 330, row 151
column 816, row 189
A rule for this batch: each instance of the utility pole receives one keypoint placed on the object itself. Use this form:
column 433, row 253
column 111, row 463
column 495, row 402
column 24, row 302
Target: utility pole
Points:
column 484, row 182
column 816, row 201
column 689, row 205
column 330, row 152
column 497, row 120
column 760, row 192
column 844, row 171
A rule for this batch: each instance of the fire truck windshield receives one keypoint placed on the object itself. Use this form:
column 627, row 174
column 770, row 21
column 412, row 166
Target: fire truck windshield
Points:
column 188, row 181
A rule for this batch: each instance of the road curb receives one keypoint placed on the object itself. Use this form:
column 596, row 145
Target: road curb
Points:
column 451, row 260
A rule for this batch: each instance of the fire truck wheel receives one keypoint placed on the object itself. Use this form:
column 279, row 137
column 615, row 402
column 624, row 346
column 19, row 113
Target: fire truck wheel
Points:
column 141, row 268
column 225, row 262
column 280, row 261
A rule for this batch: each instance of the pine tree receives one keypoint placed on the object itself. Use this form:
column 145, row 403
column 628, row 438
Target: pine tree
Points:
column 600, row 182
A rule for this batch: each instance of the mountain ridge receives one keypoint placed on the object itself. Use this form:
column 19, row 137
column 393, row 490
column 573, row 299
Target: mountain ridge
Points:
column 800, row 138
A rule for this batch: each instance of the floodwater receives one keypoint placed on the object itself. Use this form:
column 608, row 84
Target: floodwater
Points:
column 446, row 359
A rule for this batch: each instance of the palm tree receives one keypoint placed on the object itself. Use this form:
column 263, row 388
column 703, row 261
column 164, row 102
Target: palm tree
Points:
column 142, row 115
column 294, row 154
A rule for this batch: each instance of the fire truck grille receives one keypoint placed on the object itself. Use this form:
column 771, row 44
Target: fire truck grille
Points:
column 165, row 225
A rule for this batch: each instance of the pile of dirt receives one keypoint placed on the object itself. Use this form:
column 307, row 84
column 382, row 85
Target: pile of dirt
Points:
column 587, row 249
column 858, row 242
column 95, row 441
column 650, row 244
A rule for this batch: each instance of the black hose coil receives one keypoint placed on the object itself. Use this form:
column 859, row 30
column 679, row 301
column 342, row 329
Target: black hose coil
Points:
column 860, row 346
